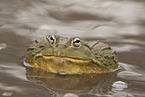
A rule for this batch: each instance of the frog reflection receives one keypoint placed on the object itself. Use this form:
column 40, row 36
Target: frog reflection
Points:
column 61, row 84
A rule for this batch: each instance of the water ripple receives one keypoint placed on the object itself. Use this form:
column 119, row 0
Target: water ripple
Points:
column 3, row 46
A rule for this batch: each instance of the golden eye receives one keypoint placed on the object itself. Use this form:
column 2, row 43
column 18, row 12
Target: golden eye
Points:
column 76, row 42
column 51, row 39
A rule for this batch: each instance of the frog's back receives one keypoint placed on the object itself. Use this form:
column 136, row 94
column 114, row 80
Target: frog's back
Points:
column 105, row 54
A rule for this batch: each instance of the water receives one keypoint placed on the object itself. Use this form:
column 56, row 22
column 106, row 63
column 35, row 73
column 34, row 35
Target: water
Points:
column 120, row 23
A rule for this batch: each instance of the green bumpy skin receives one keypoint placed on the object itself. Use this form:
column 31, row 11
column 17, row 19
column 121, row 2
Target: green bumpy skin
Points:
column 71, row 55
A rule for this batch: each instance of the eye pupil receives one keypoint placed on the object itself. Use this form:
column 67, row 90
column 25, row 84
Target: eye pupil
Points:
column 76, row 42
column 51, row 39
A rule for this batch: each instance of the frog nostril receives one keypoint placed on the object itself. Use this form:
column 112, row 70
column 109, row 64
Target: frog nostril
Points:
column 65, row 46
column 57, row 45
column 61, row 46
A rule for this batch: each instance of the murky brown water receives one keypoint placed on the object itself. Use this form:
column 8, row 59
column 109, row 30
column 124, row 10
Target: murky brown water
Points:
column 121, row 23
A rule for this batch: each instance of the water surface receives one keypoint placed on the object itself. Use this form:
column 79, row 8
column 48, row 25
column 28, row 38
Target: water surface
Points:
column 120, row 23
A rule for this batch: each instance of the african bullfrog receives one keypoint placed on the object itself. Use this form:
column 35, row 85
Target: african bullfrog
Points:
column 64, row 55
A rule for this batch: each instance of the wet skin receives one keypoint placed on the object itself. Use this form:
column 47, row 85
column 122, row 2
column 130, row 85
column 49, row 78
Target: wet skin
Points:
column 71, row 55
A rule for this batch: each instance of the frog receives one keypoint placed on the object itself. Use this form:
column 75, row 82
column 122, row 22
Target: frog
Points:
column 63, row 55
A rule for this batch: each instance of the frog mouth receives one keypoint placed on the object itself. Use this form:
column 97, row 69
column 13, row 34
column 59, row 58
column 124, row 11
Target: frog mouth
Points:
column 67, row 58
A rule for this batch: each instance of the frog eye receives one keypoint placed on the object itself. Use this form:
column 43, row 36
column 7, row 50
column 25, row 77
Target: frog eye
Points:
column 76, row 42
column 51, row 39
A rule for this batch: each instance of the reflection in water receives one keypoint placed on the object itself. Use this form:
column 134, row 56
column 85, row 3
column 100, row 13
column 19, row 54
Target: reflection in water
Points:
column 7, row 94
column 119, row 85
column 77, row 84
column 2, row 46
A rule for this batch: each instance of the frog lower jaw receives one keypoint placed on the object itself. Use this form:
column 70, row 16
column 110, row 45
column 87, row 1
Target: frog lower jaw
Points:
column 63, row 65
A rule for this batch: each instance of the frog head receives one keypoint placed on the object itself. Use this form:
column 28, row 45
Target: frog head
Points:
column 73, row 49
column 64, row 55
